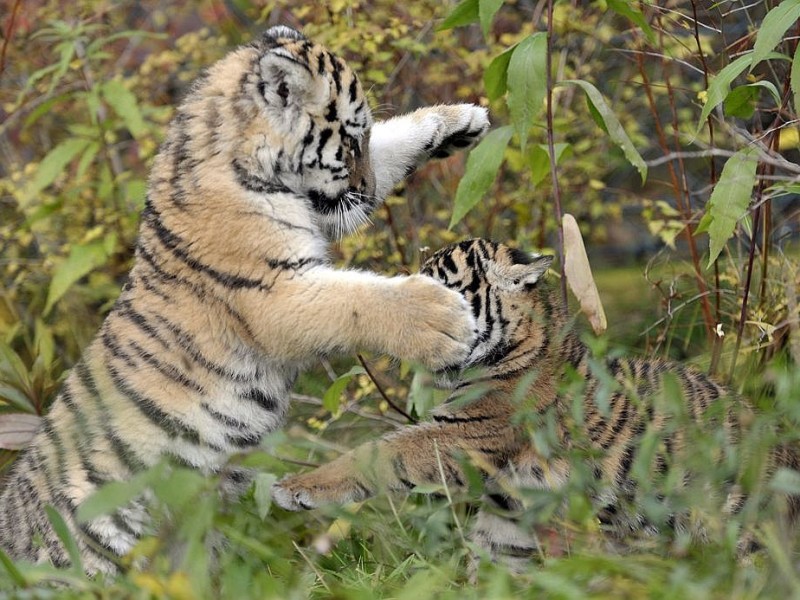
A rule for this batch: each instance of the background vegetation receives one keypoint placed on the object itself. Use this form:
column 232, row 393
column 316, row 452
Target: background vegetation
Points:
column 663, row 117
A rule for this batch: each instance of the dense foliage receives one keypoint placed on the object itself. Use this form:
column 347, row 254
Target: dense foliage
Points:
column 669, row 129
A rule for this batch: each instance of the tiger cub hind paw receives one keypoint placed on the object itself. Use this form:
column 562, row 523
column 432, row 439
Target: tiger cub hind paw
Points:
column 290, row 498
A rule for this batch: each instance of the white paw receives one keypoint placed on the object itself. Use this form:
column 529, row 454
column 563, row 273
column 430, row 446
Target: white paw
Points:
column 461, row 127
column 289, row 499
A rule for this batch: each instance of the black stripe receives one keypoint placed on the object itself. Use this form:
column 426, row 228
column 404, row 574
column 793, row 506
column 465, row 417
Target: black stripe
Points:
column 170, row 424
column 353, row 89
column 261, row 398
column 50, row 432
column 188, row 345
column 502, row 501
column 224, row 419
column 243, row 440
column 439, row 418
column 174, row 243
column 124, row 309
column 252, row 182
column 199, row 291
column 100, row 548
column 124, row 453
column 82, row 438
column 112, row 346
column 324, row 136
column 169, row 371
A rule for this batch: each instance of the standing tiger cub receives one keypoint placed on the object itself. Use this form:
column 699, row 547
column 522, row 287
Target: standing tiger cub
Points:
column 272, row 153
column 525, row 349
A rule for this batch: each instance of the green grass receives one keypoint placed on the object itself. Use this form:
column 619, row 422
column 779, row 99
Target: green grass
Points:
column 414, row 547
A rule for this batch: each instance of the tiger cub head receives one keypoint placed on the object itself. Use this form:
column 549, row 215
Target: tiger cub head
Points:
column 291, row 117
column 512, row 306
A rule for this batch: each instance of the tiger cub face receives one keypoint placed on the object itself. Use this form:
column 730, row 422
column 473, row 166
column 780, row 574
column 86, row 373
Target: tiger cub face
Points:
column 496, row 281
column 303, row 126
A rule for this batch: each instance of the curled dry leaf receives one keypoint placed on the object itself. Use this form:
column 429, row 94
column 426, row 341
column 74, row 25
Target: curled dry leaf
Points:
column 579, row 275
column 17, row 429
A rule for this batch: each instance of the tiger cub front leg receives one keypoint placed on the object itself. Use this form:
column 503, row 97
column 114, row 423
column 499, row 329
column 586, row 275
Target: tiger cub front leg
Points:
column 401, row 144
column 429, row 453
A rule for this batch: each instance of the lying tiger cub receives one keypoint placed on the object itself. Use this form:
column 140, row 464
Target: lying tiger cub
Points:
column 525, row 347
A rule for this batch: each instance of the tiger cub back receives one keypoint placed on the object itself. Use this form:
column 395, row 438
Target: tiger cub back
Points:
column 513, row 414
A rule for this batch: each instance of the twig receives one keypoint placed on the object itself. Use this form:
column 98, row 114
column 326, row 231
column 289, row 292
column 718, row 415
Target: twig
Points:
column 778, row 162
column 676, row 187
column 552, row 151
column 9, row 31
column 717, row 340
column 396, row 237
column 353, row 408
column 313, row 567
column 383, row 393
column 763, row 168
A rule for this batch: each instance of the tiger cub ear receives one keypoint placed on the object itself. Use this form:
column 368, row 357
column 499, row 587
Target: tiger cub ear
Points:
column 515, row 276
column 287, row 83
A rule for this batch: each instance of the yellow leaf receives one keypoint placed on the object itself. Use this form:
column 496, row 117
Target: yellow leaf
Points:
column 579, row 275
column 338, row 530
column 790, row 138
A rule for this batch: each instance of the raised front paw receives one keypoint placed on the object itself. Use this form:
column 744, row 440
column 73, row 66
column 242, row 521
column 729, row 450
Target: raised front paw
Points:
column 436, row 326
column 460, row 126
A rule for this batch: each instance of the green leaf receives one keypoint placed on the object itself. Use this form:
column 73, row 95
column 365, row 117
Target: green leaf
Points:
column 773, row 28
column 16, row 398
column 487, row 9
column 332, row 397
column 465, row 13
column 179, row 488
column 63, row 533
column 794, row 79
column 420, row 394
column 729, row 200
column 124, row 103
column 494, row 77
column 786, row 481
column 88, row 156
column 741, row 101
column 612, row 125
column 262, row 493
column 527, row 82
column 539, row 161
column 720, row 85
column 53, row 164
column 624, row 8
column 82, row 259
column 13, row 572
column 117, row 494
column 482, row 164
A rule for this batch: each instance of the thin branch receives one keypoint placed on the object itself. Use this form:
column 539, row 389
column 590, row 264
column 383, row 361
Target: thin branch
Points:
column 352, row 408
column 383, row 393
column 9, row 32
column 552, row 152
column 774, row 141
column 768, row 158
